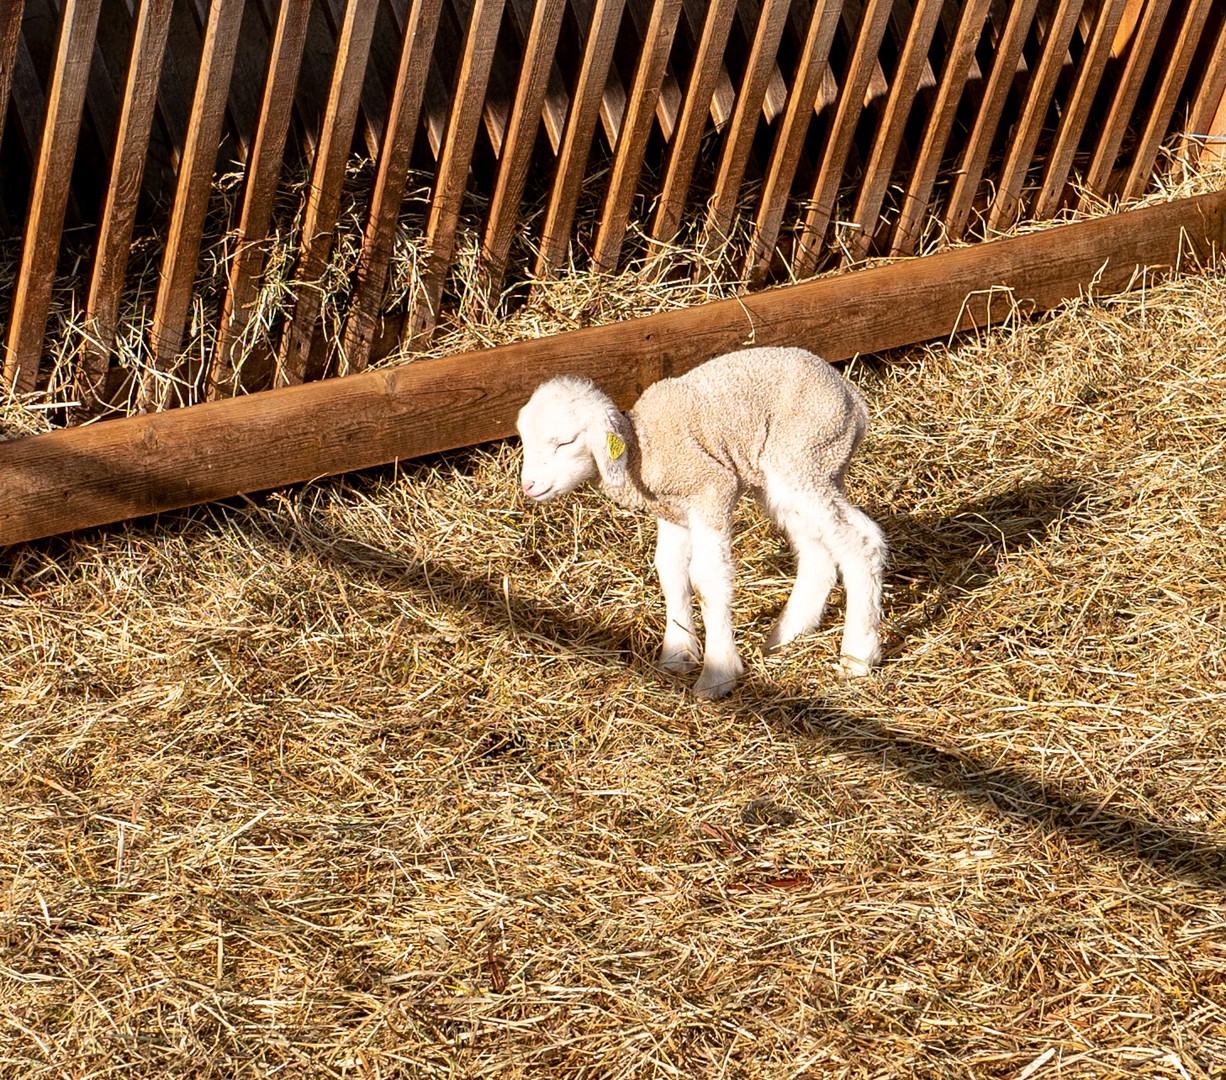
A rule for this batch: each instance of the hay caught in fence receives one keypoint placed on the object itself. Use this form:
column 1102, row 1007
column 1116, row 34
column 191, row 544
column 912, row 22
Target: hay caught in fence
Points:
column 374, row 777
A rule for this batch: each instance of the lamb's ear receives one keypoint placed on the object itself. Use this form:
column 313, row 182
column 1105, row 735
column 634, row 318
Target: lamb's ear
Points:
column 609, row 447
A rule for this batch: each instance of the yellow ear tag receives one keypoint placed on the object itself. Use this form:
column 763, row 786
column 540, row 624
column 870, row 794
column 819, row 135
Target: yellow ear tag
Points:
column 617, row 446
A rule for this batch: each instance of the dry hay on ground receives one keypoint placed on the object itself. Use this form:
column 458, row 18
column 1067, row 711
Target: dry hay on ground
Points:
column 374, row 777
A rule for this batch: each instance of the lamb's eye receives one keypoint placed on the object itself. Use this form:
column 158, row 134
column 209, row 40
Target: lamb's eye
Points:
column 564, row 442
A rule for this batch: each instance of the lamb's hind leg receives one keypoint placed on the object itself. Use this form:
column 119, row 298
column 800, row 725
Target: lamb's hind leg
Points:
column 828, row 532
column 816, row 574
column 860, row 549
column 711, row 575
column 678, row 653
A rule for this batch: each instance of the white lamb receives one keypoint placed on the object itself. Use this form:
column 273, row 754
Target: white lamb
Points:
column 779, row 423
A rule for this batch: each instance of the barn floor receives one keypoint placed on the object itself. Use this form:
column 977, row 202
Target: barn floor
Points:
column 374, row 777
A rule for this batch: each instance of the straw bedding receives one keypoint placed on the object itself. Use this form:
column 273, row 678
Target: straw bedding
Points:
column 374, row 778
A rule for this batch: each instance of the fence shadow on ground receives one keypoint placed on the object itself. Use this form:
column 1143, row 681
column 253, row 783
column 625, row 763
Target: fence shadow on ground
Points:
column 971, row 541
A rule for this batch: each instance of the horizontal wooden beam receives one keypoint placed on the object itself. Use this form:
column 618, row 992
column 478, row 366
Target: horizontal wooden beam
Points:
column 106, row 472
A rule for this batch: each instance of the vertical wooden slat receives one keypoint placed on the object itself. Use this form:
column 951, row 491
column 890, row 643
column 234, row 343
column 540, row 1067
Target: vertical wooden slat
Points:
column 119, row 211
column 378, row 243
column 632, row 144
column 1209, row 96
column 1140, row 53
column 1030, row 126
column 1215, row 131
column 843, row 131
column 958, row 63
column 324, row 197
column 10, row 31
column 452, row 174
column 1077, row 112
column 790, row 139
column 683, row 152
column 911, row 66
column 577, row 138
column 263, row 173
column 643, row 16
column 1146, row 152
column 183, row 237
column 760, row 67
column 521, row 138
column 49, row 198
column 975, row 157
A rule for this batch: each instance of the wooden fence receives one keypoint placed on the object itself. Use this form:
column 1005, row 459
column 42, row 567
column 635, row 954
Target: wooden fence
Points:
column 837, row 129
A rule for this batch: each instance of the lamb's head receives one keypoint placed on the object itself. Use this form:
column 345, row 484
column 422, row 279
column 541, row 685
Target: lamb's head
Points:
column 573, row 435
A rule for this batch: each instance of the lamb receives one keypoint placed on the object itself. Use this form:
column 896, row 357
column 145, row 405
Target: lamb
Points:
column 779, row 423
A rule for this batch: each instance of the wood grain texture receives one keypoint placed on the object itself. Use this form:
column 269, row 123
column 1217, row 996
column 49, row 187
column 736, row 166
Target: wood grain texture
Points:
column 632, row 144
column 1076, row 113
column 809, row 242
column 10, row 32
column 119, row 208
column 1210, row 97
column 1141, row 48
column 683, row 151
column 263, row 173
column 179, row 261
column 987, row 119
column 87, row 476
column 958, row 69
column 912, row 64
column 379, row 240
column 1180, row 62
column 49, row 197
column 1039, row 92
column 760, row 68
column 790, row 140
column 503, row 217
column 577, row 138
column 324, row 196
column 452, row 176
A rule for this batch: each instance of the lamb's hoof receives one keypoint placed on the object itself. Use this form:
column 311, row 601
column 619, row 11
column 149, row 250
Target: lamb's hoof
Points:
column 855, row 668
column 677, row 661
column 717, row 682
column 777, row 639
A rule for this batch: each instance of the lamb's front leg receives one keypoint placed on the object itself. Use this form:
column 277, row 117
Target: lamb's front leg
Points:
column 711, row 576
column 678, row 653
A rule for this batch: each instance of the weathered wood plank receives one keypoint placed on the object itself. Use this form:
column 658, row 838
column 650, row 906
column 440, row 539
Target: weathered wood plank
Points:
column 683, row 152
column 10, row 31
column 1039, row 93
column 1140, row 52
column 451, row 178
column 911, row 67
column 101, row 473
column 119, row 210
column 521, row 139
column 324, row 197
column 987, row 120
column 632, row 145
column 1077, row 111
column 49, row 197
column 263, row 173
column 1209, row 96
column 958, row 69
column 809, row 243
column 577, row 138
column 379, row 241
column 178, row 271
column 760, row 68
column 790, row 139
column 1146, row 151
